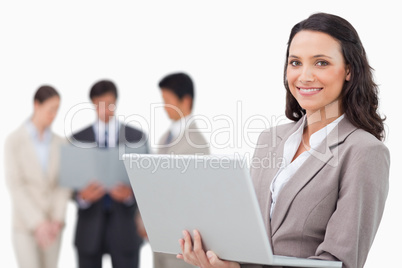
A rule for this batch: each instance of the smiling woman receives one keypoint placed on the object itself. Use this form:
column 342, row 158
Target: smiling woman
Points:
column 336, row 52
column 316, row 71
column 327, row 200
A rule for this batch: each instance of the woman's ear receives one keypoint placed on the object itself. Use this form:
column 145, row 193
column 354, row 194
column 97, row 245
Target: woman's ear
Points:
column 348, row 73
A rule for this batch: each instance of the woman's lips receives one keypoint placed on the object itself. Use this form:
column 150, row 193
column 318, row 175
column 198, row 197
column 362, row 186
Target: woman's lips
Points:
column 309, row 90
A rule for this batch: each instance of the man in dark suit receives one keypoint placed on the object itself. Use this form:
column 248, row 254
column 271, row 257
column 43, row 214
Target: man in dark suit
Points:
column 106, row 217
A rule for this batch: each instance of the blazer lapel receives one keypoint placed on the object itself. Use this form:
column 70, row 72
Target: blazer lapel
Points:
column 30, row 154
column 264, row 184
column 163, row 149
column 177, row 143
column 317, row 160
column 54, row 159
column 121, row 135
column 265, row 175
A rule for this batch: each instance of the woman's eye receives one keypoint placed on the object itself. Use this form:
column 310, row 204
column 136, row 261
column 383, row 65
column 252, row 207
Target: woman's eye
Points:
column 322, row 63
column 295, row 63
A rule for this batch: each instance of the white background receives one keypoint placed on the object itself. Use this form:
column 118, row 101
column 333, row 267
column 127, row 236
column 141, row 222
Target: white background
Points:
column 233, row 50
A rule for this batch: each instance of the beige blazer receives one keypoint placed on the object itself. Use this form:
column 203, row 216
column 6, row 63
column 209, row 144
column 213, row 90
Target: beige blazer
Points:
column 191, row 142
column 332, row 207
column 35, row 194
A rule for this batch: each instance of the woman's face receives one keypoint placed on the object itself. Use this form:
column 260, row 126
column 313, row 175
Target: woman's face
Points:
column 47, row 111
column 316, row 71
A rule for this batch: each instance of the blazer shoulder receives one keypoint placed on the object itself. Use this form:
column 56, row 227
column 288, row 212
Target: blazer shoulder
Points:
column 195, row 134
column 86, row 134
column 195, row 142
column 16, row 136
column 273, row 132
column 58, row 137
column 59, row 140
column 365, row 141
column 133, row 134
column 362, row 147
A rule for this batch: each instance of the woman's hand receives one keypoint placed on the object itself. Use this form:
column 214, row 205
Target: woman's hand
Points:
column 56, row 227
column 197, row 256
column 45, row 234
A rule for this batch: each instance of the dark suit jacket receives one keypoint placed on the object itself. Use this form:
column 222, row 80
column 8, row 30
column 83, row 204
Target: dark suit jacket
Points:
column 122, row 232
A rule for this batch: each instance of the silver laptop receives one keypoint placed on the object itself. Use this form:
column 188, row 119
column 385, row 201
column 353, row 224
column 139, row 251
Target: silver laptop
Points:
column 213, row 194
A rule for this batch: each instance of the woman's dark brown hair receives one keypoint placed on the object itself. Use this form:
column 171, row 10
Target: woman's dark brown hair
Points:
column 44, row 93
column 359, row 94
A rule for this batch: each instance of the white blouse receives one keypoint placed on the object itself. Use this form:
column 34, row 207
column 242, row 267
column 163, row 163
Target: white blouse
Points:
column 289, row 168
column 41, row 144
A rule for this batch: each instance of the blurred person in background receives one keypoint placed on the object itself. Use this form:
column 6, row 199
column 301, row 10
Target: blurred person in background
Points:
column 105, row 222
column 183, row 137
column 32, row 168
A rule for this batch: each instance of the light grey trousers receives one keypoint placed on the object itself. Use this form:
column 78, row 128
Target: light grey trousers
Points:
column 30, row 255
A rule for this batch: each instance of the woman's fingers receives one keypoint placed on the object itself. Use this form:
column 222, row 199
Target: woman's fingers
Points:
column 187, row 249
column 181, row 243
column 216, row 262
column 44, row 234
column 188, row 245
column 199, row 251
column 180, row 256
column 193, row 253
column 212, row 258
column 189, row 253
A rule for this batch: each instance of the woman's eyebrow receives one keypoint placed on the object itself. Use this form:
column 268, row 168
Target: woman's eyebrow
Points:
column 322, row 56
column 315, row 56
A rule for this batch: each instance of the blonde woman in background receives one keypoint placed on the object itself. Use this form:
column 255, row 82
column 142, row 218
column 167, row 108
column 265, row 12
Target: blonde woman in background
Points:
column 32, row 168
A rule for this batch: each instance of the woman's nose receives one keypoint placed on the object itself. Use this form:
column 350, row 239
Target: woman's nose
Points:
column 306, row 75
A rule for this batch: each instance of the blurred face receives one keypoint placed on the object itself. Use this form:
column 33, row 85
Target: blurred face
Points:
column 173, row 105
column 316, row 71
column 105, row 106
column 46, row 112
